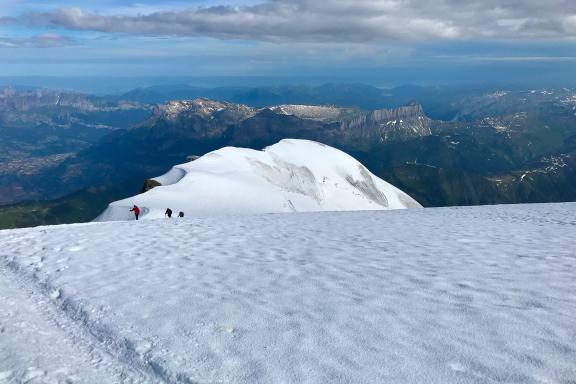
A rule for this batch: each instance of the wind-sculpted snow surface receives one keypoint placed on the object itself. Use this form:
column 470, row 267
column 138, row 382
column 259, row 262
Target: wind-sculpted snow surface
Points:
column 34, row 348
column 293, row 175
column 454, row 295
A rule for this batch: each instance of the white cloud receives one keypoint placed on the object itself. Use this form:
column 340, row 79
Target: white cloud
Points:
column 570, row 24
column 335, row 20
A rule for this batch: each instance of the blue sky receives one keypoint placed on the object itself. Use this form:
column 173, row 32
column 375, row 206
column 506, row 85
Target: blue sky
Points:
column 383, row 41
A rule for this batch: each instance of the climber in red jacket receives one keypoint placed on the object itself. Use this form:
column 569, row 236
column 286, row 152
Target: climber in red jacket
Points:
column 136, row 211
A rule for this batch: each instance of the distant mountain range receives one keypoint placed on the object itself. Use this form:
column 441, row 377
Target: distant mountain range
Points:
column 181, row 128
column 441, row 145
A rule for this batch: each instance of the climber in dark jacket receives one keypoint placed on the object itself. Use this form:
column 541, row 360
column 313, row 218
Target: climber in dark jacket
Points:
column 168, row 212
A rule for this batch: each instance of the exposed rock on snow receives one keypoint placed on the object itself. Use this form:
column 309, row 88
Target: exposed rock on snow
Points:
column 149, row 184
column 293, row 175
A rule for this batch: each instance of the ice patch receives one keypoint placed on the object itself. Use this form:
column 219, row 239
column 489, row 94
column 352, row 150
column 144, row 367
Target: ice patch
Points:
column 55, row 294
column 288, row 177
column 5, row 375
column 32, row 374
column 457, row 367
column 367, row 186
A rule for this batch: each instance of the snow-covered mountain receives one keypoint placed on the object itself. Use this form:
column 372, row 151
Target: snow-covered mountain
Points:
column 290, row 176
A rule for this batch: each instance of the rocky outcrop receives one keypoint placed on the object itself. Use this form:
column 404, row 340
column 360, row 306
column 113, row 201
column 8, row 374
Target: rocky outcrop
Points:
column 198, row 119
column 388, row 124
column 203, row 108
column 324, row 113
column 149, row 184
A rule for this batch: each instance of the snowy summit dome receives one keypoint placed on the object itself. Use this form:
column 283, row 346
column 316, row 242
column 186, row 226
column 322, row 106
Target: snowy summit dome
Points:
column 290, row 176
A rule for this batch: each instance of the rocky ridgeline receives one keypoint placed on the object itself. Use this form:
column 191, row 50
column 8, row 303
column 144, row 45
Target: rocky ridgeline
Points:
column 15, row 100
column 389, row 124
column 379, row 125
column 324, row 113
column 203, row 108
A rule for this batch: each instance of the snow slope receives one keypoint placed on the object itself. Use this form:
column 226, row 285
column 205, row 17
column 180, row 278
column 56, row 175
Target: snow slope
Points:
column 454, row 295
column 293, row 175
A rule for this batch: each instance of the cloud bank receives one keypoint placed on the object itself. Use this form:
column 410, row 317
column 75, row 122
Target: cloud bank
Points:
column 335, row 20
column 48, row 40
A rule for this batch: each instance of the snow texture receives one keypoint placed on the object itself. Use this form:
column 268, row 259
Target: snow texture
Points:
column 35, row 348
column 456, row 295
column 293, row 175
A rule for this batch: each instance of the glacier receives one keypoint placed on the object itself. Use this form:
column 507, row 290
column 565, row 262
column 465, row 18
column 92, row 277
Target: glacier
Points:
column 290, row 176
column 447, row 295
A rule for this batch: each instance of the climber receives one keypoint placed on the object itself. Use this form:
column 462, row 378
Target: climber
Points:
column 136, row 211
